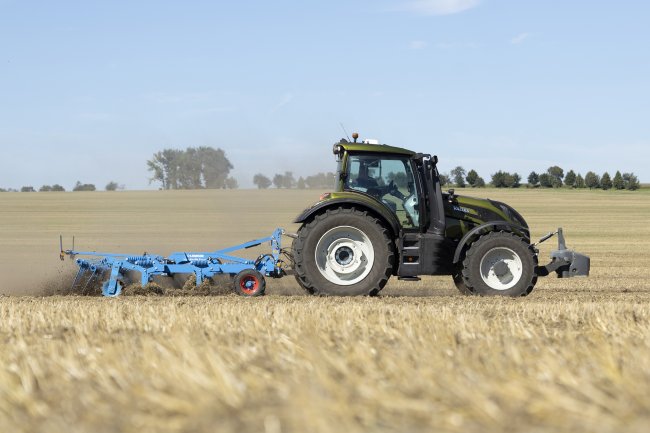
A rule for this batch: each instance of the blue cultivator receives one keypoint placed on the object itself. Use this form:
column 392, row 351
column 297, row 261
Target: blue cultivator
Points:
column 110, row 269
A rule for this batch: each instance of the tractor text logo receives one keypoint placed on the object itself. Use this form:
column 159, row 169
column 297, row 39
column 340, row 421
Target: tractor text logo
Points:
column 462, row 209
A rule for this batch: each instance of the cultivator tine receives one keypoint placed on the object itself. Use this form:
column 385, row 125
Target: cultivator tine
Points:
column 92, row 277
column 80, row 272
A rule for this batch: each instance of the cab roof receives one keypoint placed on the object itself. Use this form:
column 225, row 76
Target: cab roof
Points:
column 373, row 148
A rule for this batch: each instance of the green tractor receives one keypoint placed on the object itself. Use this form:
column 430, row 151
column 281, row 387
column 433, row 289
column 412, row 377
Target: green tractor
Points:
column 389, row 216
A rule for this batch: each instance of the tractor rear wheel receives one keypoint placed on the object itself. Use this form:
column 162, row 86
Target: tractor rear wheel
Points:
column 498, row 263
column 343, row 252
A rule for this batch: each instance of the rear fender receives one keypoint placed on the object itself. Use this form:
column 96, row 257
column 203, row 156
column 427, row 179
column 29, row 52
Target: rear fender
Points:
column 378, row 210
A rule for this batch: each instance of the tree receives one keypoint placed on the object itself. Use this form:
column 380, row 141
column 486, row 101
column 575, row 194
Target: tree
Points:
column 458, row 174
column 444, row 179
column 301, row 183
column 631, row 181
column 231, row 183
column 48, row 188
column 111, row 186
column 545, row 180
column 288, row 180
column 480, row 183
column 605, row 181
column 278, row 181
column 322, row 180
column 192, row 168
column 503, row 179
column 472, row 177
column 261, row 181
column 557, row 174
column 27, row 189
column 580, row 181
column 533, row 179
column 499, row 179
column 591, row 180
column 83, row 187
column 570, row 179
column 618, row 182
column 400, row 179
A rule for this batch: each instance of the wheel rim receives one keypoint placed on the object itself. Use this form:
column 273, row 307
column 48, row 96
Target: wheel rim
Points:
column 248, row 284
column 344, row 255
column 501, row 268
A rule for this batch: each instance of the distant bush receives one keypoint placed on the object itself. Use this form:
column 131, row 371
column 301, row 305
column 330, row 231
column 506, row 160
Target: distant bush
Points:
column 84, row 187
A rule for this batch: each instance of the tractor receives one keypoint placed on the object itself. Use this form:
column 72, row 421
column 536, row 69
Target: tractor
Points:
column 388, row 216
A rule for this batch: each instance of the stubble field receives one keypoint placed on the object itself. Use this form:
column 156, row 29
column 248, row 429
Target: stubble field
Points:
column 573, row 356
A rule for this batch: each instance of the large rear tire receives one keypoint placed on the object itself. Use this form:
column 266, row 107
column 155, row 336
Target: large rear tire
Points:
column 498, row 263
column 343, row 252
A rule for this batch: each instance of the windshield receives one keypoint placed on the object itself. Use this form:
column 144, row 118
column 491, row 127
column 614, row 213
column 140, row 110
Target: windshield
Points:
column 388, row 179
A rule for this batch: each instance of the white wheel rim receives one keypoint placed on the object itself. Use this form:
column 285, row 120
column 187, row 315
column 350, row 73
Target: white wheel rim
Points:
column 501, row 268
column 344, row 255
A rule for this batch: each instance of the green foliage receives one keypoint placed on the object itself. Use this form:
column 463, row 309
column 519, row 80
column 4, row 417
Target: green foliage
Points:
column 592, row 180
column 480, row 183
column 111, row 186
column 570, row 179
column 285, row 180
column 458, row 175
column 231, row 183
column 400, row 179
column 618, row 182
column 580, row 181
column 321, row 180
column 27, row 189
column 606, row 181
column 472, row 177
column 503, row 179
column 545, row 180
column 301, row 183
column 192, row 168
column 631, row 181
column 533, row 179
column 557, row 174
column 444, row 179
column 84, row 187
column 45, row 188
column 261, row 181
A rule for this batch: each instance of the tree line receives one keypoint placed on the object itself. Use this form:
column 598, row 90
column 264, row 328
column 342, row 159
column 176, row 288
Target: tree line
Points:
column 287, row 180
column 553, row 177
column 110, row 186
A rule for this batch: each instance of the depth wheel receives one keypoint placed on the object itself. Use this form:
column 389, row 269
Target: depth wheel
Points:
column 498, row 263
column 249, row 282
column 343, row 252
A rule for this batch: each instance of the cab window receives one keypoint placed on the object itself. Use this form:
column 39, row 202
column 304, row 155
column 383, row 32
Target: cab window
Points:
column 388, row 179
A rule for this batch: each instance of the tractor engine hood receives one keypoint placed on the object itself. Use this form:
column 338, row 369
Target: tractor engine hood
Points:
column 480, row 210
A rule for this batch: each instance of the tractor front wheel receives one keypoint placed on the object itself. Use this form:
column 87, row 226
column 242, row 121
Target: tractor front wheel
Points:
column 343, row 252
column 498, row 263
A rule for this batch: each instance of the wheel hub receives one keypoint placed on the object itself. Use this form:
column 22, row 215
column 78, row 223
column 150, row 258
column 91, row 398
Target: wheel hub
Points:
column 344, row 255
column 501, row 268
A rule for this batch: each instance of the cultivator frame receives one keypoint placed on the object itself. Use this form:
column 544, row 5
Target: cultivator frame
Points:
column 249, row 274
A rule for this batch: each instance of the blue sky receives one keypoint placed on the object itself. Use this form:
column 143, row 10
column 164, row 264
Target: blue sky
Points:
column 91, row 89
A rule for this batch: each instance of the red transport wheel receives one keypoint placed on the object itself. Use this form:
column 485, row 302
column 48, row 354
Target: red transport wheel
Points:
column 249, row 282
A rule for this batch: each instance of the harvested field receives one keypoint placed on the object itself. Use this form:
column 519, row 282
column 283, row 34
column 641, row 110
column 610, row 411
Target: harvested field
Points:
column 570, row 357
